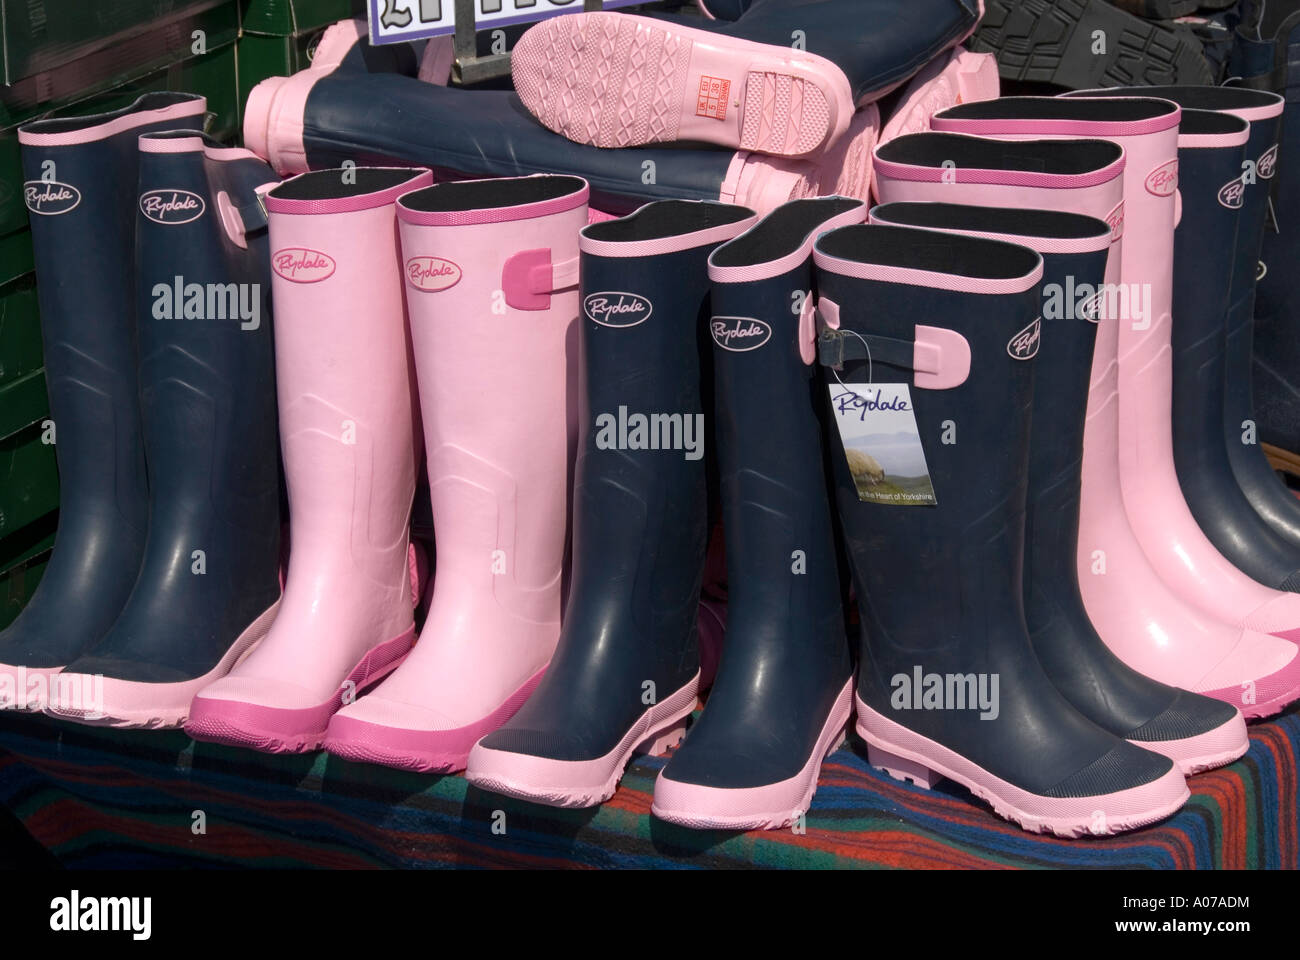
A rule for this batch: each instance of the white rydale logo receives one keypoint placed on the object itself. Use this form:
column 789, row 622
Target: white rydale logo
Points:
column 50, row 197
column 739, row 334
column 617, row 309
column 1266, row 166
column 171, row 207
column 1024, row 345
column 1232, row 193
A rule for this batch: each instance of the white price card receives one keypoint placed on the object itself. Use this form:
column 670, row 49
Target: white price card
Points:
column 394, row 21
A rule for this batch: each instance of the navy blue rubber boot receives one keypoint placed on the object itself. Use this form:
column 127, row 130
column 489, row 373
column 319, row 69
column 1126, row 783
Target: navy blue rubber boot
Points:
column 949, row 684
column 878, row 44
column 208, row 585
column 80, row 189
column 1198, row 733
column 784, row 688
column 1262, row 59
column 1241, row 360
column 626, row 672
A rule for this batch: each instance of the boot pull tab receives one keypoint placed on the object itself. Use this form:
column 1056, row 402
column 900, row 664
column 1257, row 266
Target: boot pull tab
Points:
column 808, row 330
column 530, row 277
column 940, row 358
column 240, row 221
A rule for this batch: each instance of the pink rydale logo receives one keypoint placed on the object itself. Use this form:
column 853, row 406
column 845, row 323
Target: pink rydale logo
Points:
column 49, row 197
column 1024, row 345
column 1232, row 193
column 1266, row 165
column 1163, row 180
column 432, row 274
column 615, row 308
column 301, row 265
column 172, row 207
column 1115, row 220
column 739, row 334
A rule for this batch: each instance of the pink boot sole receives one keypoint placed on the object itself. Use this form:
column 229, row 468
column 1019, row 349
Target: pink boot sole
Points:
column 769, row 807
column 614, row 80
column 130, row 704
column 1206, row 751
column 905, row 755
column 583, row 783
column 25, row 689
column 424, row 751
column 281, row 730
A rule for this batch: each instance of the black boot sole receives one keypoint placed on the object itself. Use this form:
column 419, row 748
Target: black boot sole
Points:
column 1051, row 41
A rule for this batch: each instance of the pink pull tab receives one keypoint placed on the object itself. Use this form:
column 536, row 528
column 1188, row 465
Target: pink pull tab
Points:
column 231, row 220
column 808, row 330
column 940, row 358
column 529, row 278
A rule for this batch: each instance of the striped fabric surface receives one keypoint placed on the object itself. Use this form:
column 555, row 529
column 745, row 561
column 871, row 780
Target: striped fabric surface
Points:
column 109, row 798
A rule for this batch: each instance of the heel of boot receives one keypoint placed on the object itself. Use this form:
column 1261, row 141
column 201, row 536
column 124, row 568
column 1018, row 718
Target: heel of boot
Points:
column 900, row 768
column 657, row 744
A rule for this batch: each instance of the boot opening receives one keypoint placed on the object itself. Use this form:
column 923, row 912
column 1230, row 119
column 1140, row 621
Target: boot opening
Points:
column 91, row 118
column 492, row 194
column 667, row 218
column 334, row 185
column 1067, row 157
column 781, row 233
column 1192, row 98
column 1203, row 123
column 1102, row 110
column 1053, row 224
column 947, row 253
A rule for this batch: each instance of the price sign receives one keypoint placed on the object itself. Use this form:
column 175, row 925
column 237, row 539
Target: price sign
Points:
column 394, row 21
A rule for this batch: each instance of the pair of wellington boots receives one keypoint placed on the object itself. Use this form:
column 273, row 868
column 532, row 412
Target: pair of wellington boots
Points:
column 1155, row 588
column 481, row 378
column 697, row 340
column 153, row 285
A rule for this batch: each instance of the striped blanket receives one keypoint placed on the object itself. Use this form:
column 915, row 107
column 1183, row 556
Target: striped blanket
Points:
column 110, row 798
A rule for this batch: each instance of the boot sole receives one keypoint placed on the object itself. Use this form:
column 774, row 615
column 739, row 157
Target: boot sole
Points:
column 1205, row 751
column 905, row 755
column 271, row 729
column 614, row 80
column 130, row 704
column 583, row 783
column 769, row 807
column 422, row 751
column 24, row 702
column 1050, row 41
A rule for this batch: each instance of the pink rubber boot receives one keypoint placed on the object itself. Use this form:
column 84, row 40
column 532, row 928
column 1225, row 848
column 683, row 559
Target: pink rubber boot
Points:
column 1181, row 554
column 351, row 442
column 1139, row 617
column 492, row 283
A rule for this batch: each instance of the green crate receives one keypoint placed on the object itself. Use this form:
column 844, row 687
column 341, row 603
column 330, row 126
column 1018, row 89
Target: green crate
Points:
column 41, row 35
column 212, row 74
column 291, row 18
column 20, row 332
column 29, row 479
column 18, row 583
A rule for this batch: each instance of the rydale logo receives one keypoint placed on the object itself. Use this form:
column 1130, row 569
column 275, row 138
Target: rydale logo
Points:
column 617, row 309
column 432, row 274
column 1115, row 220
column 1024, row 345
column 302, row 265
column 739, row 334
column 1266, row 166
column 1163, row 180
column 50, row 197
column 1232, row 193
column 172, row 207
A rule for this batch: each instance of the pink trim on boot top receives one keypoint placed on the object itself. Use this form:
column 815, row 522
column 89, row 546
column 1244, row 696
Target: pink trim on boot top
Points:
column 420, row 177
column 905, row 755
column 928, row 278
column 769, row 807
column 521, row 211
column 128, row 118
column 159, row 143
column 582, row 783
column 415, row 748
column 1059, row 122
column 671, row 244
column 276, row 730
column 1006, row 178
column 774, row 268
column 157, row 706
column 1101, row 241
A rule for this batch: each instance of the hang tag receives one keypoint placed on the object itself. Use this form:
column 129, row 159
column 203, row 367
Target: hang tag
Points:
column 878, row 430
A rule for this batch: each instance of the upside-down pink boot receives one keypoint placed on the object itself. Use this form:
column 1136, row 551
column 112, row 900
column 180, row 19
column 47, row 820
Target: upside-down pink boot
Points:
column 1138, row 616
column 350, row 441
column 492, row 284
